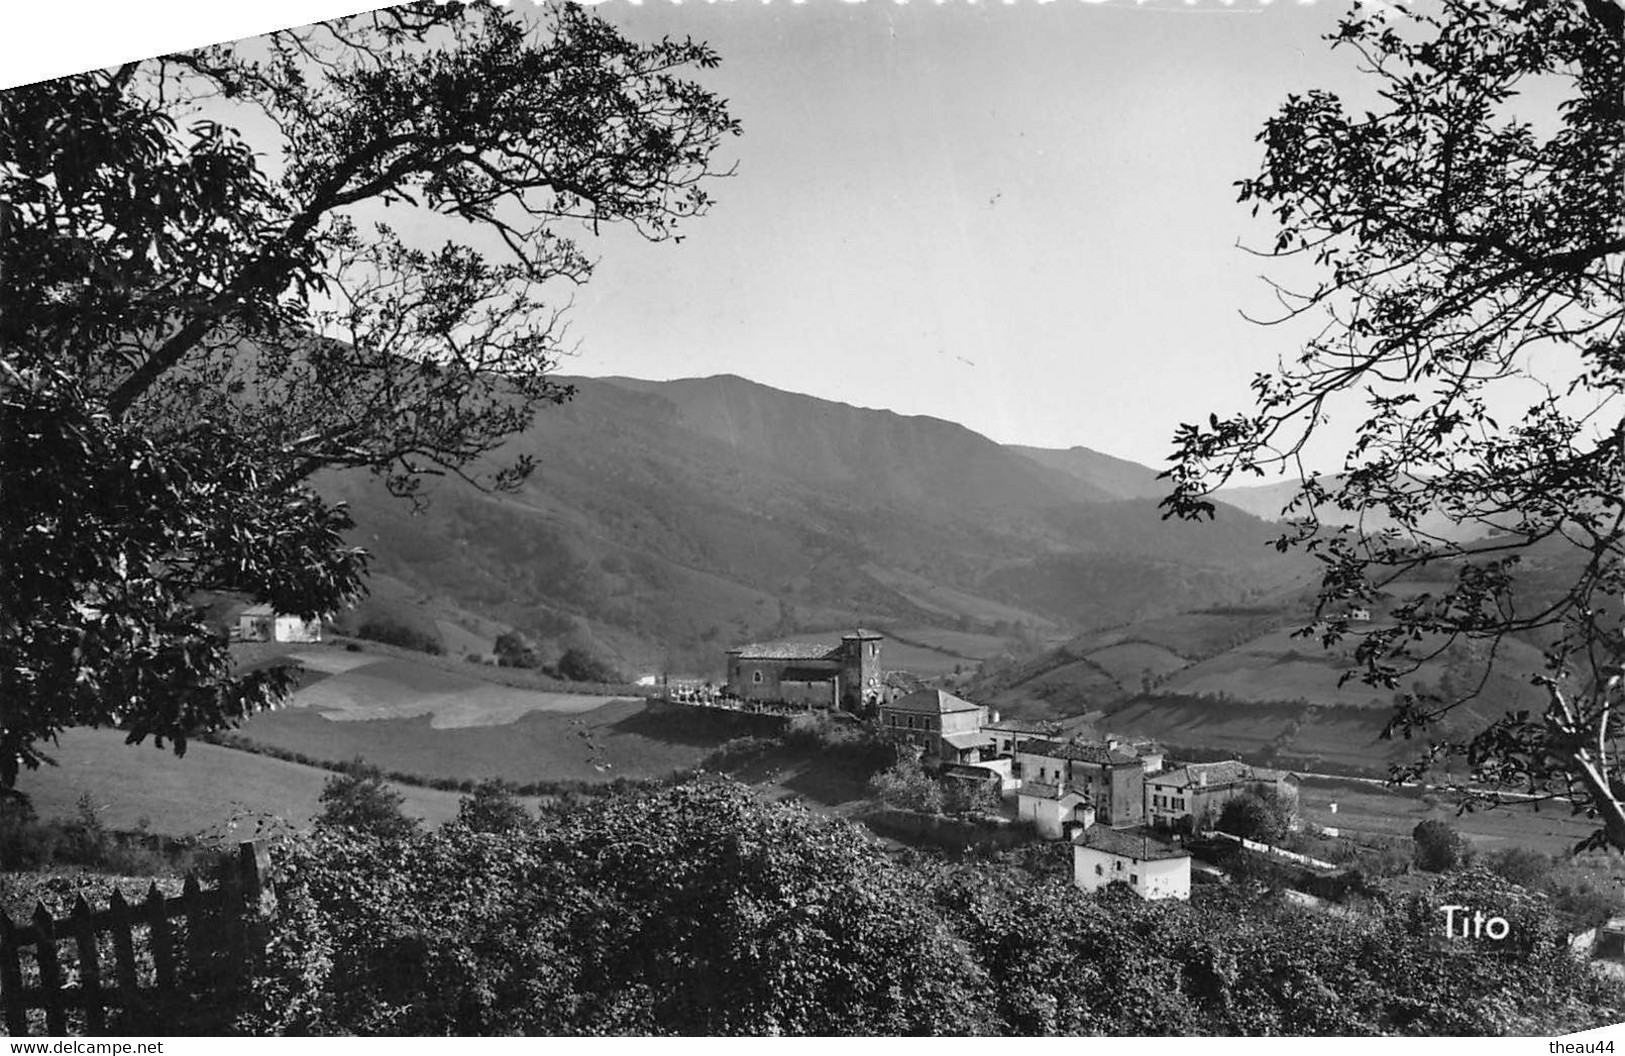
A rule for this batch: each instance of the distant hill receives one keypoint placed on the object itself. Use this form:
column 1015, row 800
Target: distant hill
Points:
column 1108, row 476
column 1268, row 501
column 1236, row 679
column 668, row 520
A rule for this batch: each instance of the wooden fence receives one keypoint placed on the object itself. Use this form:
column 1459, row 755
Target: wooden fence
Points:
column 157, row 965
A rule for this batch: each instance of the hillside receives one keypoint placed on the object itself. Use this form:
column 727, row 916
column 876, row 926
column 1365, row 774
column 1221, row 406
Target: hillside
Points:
column 1269, row 502
column 1108, row 476
column 1237, row 680
column 669, row 520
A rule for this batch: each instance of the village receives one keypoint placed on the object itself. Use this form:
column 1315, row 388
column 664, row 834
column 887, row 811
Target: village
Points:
column 1125, row 810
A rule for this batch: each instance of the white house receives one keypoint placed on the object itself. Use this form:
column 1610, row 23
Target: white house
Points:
column 1151, row 868
column 259, row 623
column 1052, row 808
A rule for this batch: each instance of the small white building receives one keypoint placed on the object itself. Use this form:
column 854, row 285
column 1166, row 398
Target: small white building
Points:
column 1151, row 868
column 259, row 623
column 1052, row 808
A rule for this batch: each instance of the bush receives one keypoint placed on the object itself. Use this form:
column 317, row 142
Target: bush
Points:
column 906, row 786
column 578, row 665
column 1439, row 848
column 392, row 631
column 358, row 799
column 1252, row 816
column 698, row 910
column 512, row 649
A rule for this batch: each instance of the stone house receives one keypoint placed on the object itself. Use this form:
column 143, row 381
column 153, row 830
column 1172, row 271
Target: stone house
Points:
column 1052, row 809
column 942, row 724
column 261, row 623
column 1150, row 867
column 1113, row 779
column 1008, row 732
column 825, row 674
column 1194, row 795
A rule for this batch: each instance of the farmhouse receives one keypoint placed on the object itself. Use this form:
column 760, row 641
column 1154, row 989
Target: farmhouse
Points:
column 1008, row 732
column 943, row 724
column 1193, row 795
column 1113, row 779
column 259, row 623
column 810, row 673
column 1151, row 868
column 1052, row 808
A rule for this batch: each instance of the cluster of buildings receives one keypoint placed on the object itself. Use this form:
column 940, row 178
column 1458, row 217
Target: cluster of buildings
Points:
column 1116, row 800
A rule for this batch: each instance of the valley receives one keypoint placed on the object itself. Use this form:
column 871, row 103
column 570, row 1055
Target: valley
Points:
column 671, row 521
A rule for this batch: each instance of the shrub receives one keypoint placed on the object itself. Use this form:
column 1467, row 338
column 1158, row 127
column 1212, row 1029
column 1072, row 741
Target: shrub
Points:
column 698, row 910
column 1252, row 816
column 578, row 665
column 1439, row 848
column 358, row 799
column 907, row 787
column 392, row 631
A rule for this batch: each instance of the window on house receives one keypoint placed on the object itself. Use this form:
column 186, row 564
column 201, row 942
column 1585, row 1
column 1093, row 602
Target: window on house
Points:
column 1100, row 870
column 1134, row 878
column 755, row 676
column 1118, row 866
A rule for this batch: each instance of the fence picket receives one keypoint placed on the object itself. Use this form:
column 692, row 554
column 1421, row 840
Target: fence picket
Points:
column 120, row 921
column 90, row 968
column 11, row 978
column 50, row 972
column 197, row 914
column 163, row 950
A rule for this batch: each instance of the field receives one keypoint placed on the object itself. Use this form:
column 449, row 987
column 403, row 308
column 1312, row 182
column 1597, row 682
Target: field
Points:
column 624, row 738
column 963, row 644
column 200, row 792
column 353, row 687
column 1128, row 661
column 946, row 601
column 1551, row 830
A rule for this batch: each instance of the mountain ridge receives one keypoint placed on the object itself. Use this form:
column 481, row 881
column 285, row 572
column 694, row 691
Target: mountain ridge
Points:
column 667, row 520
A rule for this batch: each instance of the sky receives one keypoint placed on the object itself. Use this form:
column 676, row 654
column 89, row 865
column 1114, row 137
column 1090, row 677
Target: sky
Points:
column 1020, row 217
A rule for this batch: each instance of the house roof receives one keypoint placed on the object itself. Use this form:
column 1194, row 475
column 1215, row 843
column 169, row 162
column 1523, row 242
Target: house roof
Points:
column 1042, row 729
column 1136, row 845
column 965, row 741
column 1041, row 790
column 1083, row 753
column 258, row 610
column 1228, row 772
column 862, row 633
column 931, row 702
column 971, row 771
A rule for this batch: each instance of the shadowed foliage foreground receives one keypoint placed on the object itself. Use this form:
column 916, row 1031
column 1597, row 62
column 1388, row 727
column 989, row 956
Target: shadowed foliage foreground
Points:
column 701, row 910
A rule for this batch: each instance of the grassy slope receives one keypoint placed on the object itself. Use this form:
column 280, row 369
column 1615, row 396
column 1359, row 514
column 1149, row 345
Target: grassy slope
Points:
column 630, row 739
column 202, row 791
column 1552, row 830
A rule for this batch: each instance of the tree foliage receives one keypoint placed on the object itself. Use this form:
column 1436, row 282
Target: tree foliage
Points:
column 1466, row 245
column 1265, row 818
column 193, row 325
column 1438, row 847
column 360, row 800
column 702, row 909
